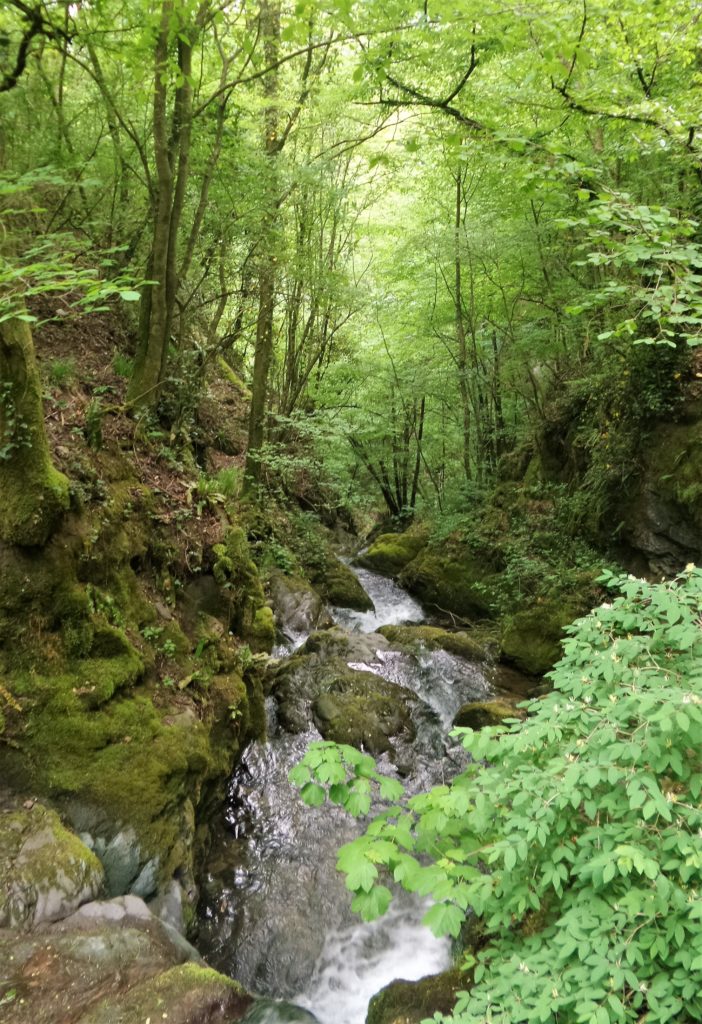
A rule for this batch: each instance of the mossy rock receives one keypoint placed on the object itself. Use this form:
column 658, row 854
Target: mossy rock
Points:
column 531, row 638
column 460, row 643
column 453, row 578
column 185, row 994
column 365, row 711
column 261, row 633
column 46, row 872
column 298, row 606
column 478, row 714
column 122, row 763
column 409, row 1002
column 391, row 552
column 339, row 586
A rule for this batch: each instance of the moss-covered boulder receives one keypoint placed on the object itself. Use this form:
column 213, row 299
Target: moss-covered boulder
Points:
column 46, row 872
column 531, row 639
column 478, row 714
column 237, row 574
column 391, row 552
column 409, row 1002
column 338, row 585
column 453, row 578
column 365, row 711
column 464, row 645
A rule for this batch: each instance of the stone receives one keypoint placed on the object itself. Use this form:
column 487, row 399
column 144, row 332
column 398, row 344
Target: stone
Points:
column 391, row 552
column 297, row 605
column 464, row 645
column 112, row 962
column 46, row 872
column 409, row 1002
column 478, row 714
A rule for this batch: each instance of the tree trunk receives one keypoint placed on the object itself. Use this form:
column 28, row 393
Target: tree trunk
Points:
column 33, row 494
column 150, row 354
column 462, row 360
column 263, row 354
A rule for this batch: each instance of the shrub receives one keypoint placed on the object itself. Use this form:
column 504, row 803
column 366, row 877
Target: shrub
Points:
column 575, row 837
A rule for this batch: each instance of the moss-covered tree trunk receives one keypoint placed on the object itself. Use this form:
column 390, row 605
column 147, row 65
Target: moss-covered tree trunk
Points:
column 33, row 494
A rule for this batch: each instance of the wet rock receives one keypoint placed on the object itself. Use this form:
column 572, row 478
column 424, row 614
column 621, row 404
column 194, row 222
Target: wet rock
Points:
column 391, row 552
column 364, row 710
column 478, row 714
column 409, row 1002
column 277, row 1011
column 464, row 645
column 297, row 605
column 352, row 647
column 339, row 586
column 46, row 872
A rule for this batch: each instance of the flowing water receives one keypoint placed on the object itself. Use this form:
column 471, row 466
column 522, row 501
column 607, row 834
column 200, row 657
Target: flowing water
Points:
column 275, row 913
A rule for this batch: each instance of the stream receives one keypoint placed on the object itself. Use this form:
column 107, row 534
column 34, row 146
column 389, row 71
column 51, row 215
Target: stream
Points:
column 274, row 913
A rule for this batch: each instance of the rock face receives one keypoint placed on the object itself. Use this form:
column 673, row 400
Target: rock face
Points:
column 663, row 519
column 46, row 872
column 297, row 605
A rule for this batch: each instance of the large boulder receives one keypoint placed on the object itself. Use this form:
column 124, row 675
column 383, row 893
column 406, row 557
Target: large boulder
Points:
column 453, row 578
column 297, row 605
column 365, row 711
column 391, row 552
column 338, row 585
column 531, row 638
column 46, row 872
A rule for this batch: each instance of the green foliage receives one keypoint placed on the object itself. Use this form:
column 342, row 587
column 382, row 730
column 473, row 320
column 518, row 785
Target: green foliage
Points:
column 122, row 365
column 61, row 372
column 574, row 837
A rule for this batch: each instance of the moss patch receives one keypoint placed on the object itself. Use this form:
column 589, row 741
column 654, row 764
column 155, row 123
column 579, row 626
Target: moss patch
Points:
column 463, row 644
column 531, row 639
column 391, row 552
column 339, row 586
column 187, row 994
column 478, row 714
column 453, row 579
column 409, row 1002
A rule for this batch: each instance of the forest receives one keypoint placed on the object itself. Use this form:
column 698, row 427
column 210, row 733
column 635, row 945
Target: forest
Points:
column 350, row 511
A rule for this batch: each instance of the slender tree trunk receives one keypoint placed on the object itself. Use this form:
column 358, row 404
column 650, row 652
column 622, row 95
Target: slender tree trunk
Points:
column 263, row 354
column 144, row 385
column 462, row 360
